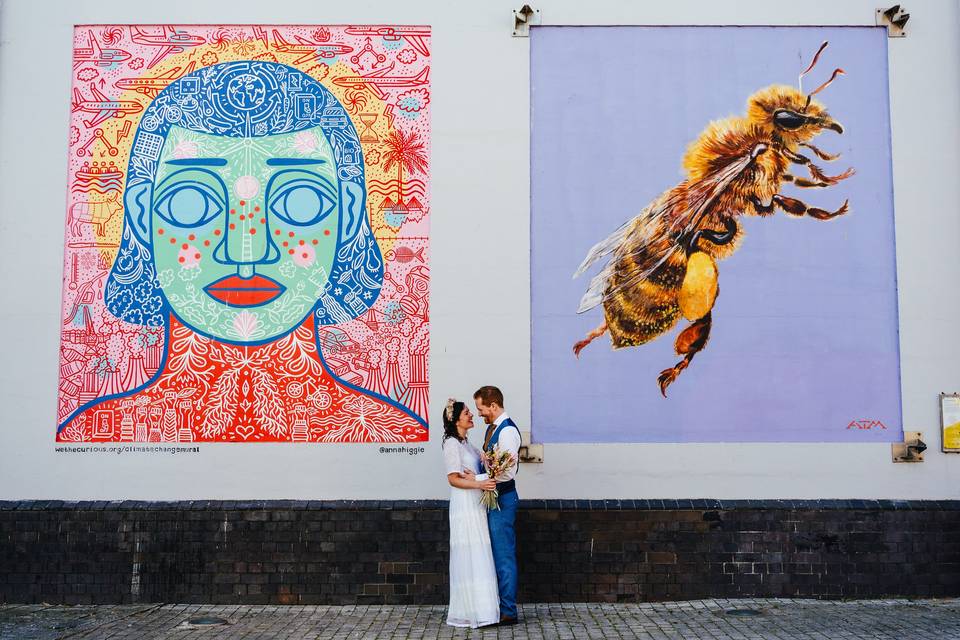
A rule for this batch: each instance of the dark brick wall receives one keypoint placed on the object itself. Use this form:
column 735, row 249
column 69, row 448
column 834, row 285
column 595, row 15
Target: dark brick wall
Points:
column 396, row 552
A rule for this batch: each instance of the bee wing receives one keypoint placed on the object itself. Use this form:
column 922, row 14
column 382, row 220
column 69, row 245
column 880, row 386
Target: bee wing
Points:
column 594, row 294
column 640, row 232
column 604, row 247
column 651, row 227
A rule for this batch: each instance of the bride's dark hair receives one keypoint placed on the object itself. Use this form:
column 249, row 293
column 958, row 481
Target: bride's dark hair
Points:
column 451, row 413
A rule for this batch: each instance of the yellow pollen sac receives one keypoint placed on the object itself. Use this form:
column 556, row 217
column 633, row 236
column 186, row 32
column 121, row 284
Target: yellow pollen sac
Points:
column 699, row 288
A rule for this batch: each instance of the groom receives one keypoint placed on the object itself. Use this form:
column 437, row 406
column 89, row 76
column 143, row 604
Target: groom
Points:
column 502, row 431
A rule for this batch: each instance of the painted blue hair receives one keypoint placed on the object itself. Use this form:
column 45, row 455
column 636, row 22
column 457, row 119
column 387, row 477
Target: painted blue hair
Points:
column 239, row 100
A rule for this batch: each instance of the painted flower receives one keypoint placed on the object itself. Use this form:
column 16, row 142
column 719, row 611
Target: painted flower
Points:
column 133, row 316
column 122, row 300
column 304, row 256
column 407, row 56
column 186, row 149
column 151, row 305
column 287, row 269
column 305, row 142
column 209, row 58
column 245, row 324
column 189, row 257
column 372, row 157
column 246, row 187
column 136, row 63
column 189, row 274
column 143, row 291
column 165, row 278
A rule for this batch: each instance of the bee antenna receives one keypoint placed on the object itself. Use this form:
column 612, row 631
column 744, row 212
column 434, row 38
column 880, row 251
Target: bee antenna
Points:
column 833, row 76
column 813, row 63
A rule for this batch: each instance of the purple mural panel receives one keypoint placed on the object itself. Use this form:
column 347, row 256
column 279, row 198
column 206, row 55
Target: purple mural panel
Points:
column 802, row 337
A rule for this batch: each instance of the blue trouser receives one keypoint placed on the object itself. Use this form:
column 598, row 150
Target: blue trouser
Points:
column 504, row 543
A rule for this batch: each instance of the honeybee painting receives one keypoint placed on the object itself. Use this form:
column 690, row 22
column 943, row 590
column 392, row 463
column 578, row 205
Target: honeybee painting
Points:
column 662, row 264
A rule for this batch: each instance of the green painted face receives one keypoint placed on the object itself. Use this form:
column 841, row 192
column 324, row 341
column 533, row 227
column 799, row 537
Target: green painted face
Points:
column 244, row 230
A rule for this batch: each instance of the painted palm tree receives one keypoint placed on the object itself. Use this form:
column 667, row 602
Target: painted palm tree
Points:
column 407, row 152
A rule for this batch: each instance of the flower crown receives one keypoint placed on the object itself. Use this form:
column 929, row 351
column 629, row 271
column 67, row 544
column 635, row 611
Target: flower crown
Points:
column 448, row 410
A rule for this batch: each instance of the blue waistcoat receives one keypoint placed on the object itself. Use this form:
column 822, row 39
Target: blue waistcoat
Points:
column 495, row 438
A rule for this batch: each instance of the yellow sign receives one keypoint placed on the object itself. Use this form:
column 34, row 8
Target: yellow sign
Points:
column 950, row 421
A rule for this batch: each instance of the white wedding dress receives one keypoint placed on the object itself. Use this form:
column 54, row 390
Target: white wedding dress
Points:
column 474, row 600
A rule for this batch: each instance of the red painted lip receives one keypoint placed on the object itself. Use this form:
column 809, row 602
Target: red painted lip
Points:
column 244, row 292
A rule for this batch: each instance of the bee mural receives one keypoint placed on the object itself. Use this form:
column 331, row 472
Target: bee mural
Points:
column 663, row 263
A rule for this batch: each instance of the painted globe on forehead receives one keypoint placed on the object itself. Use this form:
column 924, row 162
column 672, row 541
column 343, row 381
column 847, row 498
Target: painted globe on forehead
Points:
column 245, row 208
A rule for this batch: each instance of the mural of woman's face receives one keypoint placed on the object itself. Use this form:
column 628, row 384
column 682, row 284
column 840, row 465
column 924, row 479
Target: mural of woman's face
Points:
column 244, row 230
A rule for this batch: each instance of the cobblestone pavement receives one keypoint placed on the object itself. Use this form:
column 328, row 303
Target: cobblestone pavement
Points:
column 711, row 619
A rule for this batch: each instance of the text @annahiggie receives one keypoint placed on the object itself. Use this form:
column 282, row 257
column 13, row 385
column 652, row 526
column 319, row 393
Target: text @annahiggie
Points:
column 410, row 451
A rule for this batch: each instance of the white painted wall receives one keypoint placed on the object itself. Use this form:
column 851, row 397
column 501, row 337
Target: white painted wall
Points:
column 480, row 291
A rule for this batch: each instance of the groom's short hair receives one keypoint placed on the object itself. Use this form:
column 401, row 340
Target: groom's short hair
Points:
column 489, row 395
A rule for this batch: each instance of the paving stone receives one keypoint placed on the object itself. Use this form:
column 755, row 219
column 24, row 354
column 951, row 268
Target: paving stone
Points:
column 777, row 619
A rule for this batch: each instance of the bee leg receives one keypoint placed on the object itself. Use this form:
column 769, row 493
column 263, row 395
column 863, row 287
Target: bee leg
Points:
column 817, row 174
column 798, row 208
column 796, row 158
column 823, row 155
column 803, row 182
column 593, row 335
column 815, row 171
column 689, row 343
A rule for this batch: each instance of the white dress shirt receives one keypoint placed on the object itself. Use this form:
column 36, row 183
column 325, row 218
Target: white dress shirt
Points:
column 509, row 441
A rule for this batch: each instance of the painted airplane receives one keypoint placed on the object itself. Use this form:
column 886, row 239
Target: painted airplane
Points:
column 152, row 86
column 378, row 81
column 170, row 41
column 103, row 107
column 308, row 50
column 414, row 35
column 97, row 55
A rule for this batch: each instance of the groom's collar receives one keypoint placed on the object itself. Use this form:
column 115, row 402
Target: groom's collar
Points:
column 503, row 416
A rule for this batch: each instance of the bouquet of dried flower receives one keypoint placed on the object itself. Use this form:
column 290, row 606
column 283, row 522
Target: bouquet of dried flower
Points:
column 496, row 463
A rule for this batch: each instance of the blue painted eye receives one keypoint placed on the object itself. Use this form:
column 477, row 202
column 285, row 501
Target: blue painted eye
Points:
column 302, row 205
column 188, row 206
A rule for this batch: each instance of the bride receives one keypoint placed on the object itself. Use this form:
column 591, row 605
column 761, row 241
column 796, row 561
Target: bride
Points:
column 474, row 600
